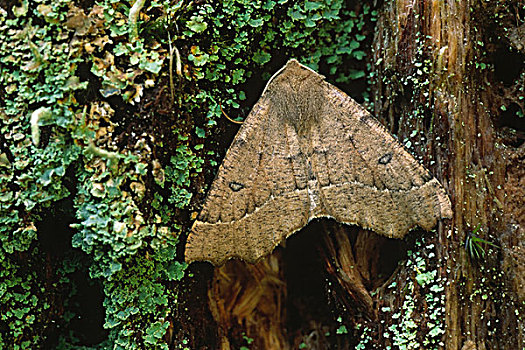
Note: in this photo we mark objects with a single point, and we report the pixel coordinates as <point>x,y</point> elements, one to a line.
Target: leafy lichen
<point>93,115</point>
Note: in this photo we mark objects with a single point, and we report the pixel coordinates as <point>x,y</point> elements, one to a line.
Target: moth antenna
<point>282,68</point>
<point>273,76</point>
<point>226,115</point>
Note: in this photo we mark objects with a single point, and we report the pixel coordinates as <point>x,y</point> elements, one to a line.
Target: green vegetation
<point>104,120</point>
<point>474,244</point>
<point>406,320</point>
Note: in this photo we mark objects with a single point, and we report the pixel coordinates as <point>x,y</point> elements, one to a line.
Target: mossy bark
<point>432,76</point>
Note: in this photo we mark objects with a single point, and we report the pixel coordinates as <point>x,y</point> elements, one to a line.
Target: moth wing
<point>370,179</point>
<point>259,195</point>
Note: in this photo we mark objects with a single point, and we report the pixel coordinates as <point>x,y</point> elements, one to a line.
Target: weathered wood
<point>430,50</point>
<point>247,300</point>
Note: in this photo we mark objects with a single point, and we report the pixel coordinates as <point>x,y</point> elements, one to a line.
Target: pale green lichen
<point>74,79</point>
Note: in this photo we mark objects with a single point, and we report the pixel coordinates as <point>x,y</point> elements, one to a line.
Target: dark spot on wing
<point>236,186</point>
<point>364,118</point>
<point>385,159</point>
<point>239,142</point>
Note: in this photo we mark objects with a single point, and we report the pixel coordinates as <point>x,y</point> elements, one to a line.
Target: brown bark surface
<point>433,51</point>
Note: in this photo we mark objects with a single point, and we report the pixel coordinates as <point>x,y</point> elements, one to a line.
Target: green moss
<point>75,80</point>
<point>424,287</point>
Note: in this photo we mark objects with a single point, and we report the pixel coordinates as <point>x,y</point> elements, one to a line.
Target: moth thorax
<point>300,106</point>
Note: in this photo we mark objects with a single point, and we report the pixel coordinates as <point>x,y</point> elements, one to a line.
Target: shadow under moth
<point>306,151</point>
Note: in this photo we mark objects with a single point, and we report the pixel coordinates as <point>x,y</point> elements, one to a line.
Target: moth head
<point>298,95</point>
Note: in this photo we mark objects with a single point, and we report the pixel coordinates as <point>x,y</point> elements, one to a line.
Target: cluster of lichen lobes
<point>418,322</point>
<point>58,141</point>
<point>37,85</point>
<point>230,40</point>
<point>55,148</point>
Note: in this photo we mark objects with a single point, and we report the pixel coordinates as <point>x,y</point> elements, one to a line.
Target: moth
<point>305,151</point>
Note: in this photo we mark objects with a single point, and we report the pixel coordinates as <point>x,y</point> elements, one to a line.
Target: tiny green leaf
<point>197,24</point>
<point>255,22</point>
<point>200,132</point>
<point>261,57</point>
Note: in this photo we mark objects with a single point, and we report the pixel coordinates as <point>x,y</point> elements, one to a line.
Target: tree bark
<point>432,79</point>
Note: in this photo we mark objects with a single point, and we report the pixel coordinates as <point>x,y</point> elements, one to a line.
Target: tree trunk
<point>441,85</point>
<point>440,75</point>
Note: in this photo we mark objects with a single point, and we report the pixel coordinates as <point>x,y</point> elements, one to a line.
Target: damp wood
<point>305,151</point>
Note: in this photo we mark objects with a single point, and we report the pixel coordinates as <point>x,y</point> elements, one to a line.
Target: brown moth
<point>306,151</point>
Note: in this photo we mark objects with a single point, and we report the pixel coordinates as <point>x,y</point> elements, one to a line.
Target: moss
<point>92,115</point>
<point>421,306</point>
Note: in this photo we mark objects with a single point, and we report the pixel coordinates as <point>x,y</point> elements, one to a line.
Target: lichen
<point>93,115</point>
<point>404,323</point>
